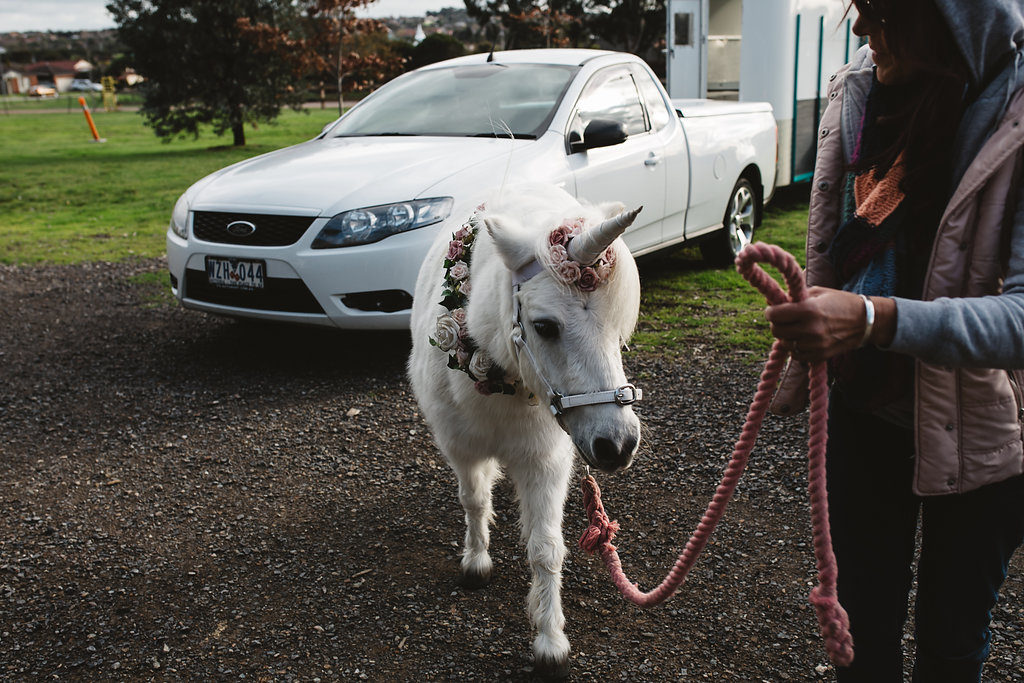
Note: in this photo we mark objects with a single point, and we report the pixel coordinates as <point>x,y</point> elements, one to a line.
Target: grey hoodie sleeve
<point>983,331</point>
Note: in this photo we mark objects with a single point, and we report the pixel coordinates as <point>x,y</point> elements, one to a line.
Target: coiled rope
<point>832,618</point>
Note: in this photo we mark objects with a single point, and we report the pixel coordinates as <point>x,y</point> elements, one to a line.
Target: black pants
<point>966,544</point>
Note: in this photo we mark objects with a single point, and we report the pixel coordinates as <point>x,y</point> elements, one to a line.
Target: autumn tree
<point>329,44</point>
<point>531,23</point>
<point>201,67</point>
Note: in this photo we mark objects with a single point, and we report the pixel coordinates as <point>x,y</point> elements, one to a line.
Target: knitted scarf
<point>869,254</point>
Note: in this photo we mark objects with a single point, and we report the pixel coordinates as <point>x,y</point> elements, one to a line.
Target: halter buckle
<point>627,394</point>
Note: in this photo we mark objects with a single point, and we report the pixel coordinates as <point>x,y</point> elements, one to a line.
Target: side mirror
<point>598,133</point>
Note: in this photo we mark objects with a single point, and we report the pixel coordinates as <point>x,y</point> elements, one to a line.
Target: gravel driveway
<point>190,498</point>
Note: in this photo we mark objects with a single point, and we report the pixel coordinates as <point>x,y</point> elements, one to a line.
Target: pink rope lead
<point>832,618</point>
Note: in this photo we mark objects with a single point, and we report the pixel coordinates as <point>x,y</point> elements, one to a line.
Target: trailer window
<point>683,28</point>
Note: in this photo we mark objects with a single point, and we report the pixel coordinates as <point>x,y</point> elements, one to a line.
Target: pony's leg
<point>542,486</point>
<point>476,479</point>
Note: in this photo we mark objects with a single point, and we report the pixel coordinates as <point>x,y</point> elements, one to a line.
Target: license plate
<point>235,273</point>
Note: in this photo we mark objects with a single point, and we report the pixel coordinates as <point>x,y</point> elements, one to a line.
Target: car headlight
<point>374,223</point>
<point>179,218</point>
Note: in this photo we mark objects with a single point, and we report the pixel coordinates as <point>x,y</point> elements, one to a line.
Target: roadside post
<point>109,95</point>
<point>88,117</point>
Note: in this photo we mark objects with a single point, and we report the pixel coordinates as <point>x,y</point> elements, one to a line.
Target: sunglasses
<point>869,10</point>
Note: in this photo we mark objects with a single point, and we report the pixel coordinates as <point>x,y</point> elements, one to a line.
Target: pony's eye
<point>547,329</point>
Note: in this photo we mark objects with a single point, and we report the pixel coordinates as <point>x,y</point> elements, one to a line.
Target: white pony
<point>518,321</point>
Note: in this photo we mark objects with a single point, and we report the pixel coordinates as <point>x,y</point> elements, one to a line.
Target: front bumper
<point>364,287</point>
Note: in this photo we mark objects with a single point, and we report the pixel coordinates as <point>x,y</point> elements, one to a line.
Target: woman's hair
<point>925,127</point>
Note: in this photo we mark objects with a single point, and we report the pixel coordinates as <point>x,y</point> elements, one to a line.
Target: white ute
<point>332,231</point>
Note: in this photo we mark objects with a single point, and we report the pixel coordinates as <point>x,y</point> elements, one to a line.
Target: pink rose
<point>588,280</point>
<point>459,271</point>
<point>462,355</point>
<point>609,256</point>
<point>463,333</point>
<point>464,287</point>
<point>460,315</point>
<point>463,232</point>
<point>604,271</point>
<point>573,225</point>
<point>559,236</point>
<point>568,272</point>
<point>455,250</point>
<point>483,387</point>
<point>558,254</point>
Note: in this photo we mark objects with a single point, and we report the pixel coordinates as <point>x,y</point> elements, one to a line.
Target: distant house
<point>60,73</point>
<point>129,78</point>
<point>16,82</point>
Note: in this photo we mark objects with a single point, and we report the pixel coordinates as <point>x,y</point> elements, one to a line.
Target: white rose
<point>480,364</point>
<point>459,271</point>
<point>447,333</point>
<point>568,272</point>
<point>464,288</point>
<point>558,255</point>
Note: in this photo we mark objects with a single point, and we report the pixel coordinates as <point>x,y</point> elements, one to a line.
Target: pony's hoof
<point>474,580</point>
<point>545,667</point>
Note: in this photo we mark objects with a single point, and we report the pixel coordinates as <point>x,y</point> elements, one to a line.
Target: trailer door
<point>687,49</point>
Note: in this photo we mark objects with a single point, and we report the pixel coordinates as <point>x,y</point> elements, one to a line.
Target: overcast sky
<point>70,15</point>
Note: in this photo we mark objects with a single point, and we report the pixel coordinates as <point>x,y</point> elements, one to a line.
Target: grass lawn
<point>687,303</point>
<point>66,199</point>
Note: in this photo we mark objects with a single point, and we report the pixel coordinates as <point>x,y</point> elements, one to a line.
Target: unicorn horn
<point>588,246</point>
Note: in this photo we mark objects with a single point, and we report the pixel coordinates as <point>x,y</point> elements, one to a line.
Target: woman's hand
<point>830,322</point>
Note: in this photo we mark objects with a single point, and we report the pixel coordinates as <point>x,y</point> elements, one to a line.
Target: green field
<point>685,302</point>
<point>66,199</point>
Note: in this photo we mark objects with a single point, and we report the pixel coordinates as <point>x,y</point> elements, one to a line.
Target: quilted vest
<point>968,421</point>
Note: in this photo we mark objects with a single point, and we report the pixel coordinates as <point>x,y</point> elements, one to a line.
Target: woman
<point>915,254</point>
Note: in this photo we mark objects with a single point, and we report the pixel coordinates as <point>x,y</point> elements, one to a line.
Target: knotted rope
<point>832,618</point>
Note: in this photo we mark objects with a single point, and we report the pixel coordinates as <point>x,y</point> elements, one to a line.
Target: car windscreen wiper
<point>505,134</point>
<point>374,135</point>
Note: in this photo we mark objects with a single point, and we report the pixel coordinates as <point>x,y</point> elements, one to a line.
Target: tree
<point>325,49</point>
<point>636,26</point>
<point>435,48</point>
<point>202,68</point>
<point>531,23</point>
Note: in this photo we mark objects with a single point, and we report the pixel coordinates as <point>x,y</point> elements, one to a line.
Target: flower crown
<point>586,277</point>
<point>451,334</point>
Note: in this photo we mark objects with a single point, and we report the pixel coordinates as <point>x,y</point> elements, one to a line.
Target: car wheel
<point>738,222</point>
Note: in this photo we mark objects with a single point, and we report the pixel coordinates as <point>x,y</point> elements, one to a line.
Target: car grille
<point>278,294</point>
<point>271,230</point>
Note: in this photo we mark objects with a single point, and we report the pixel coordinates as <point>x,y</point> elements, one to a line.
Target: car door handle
<point>652,159</point>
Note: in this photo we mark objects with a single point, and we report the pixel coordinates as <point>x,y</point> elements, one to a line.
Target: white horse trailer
<point>777,51</point>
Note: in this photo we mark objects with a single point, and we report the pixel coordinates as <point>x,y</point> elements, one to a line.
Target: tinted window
<point>610,94</point>
<point>657,110</point>
<point>476,100</point>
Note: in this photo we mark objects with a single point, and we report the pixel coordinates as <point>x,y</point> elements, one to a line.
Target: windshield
<point>477,100</point>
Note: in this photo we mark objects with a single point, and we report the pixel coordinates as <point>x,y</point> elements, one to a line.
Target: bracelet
<point>869,314</point>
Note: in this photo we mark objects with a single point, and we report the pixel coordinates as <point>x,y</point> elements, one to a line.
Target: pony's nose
<point>610,456</point>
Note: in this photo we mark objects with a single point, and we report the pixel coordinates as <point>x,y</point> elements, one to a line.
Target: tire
<point>739,221</point>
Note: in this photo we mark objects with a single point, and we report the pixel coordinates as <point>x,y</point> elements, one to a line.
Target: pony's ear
<point>611,209</point>
<point>512,242</point>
